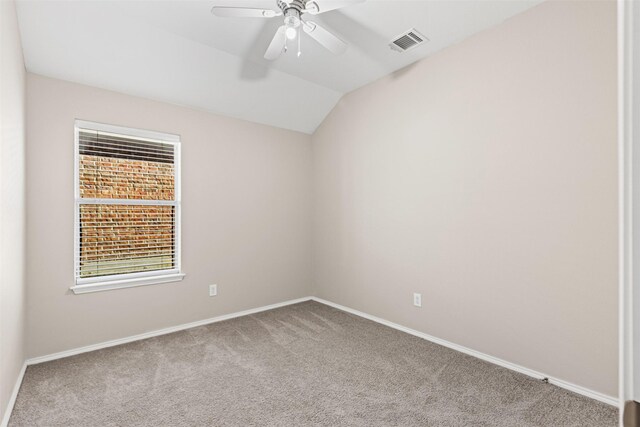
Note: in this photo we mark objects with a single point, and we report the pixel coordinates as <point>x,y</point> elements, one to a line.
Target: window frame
<point>126,280</point>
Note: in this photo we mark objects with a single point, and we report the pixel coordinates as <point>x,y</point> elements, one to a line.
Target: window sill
<point>126,283</point>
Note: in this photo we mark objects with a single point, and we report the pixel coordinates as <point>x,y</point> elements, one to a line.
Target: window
<point>127,207</point>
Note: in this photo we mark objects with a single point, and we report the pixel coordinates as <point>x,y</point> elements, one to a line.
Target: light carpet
<point>302,365</point>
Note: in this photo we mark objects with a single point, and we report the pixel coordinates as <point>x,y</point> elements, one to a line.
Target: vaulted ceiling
<point>177,51</point>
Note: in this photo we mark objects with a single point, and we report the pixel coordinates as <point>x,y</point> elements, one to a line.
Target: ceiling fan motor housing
<point>292,15</point>
<point>292,7</point>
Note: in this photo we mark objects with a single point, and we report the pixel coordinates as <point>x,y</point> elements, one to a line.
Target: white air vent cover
<point>408,40</point>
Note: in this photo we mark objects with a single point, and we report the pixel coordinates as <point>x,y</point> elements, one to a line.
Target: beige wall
<point>484,178</point>
<point>246,194</point>
<point>12,139</point>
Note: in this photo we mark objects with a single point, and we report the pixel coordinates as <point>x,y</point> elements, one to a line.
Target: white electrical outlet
<point>417,300</point>
<point>213,290</point>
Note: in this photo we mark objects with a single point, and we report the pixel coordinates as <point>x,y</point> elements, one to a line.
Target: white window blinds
<point>127,204</point>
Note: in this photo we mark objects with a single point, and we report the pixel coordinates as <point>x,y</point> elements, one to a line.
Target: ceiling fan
<point>292,11</point>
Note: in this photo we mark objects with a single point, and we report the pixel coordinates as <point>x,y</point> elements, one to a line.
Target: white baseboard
<point>530,372</point>
<point>14,395</point>
<point>106,344</point>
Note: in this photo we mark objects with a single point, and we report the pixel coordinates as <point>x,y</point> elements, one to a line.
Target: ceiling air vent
<point>408,40</point>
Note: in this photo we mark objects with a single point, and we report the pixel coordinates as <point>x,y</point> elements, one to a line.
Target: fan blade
<point>243,12</point>
<point>320,6</point>
<point>277,44</point>
<point>325,38</point>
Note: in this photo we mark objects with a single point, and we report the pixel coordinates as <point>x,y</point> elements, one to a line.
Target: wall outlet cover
<point>417,300</point>
<point>213,290</point>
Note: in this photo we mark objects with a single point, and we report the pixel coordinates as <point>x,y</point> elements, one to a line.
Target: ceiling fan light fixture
<point>291,23</point>
<point>291,33</point>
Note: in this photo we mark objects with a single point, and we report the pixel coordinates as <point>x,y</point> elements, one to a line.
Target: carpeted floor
<point>302,365</point>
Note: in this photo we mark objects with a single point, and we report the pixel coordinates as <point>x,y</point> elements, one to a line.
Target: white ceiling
<point>177,51</point>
